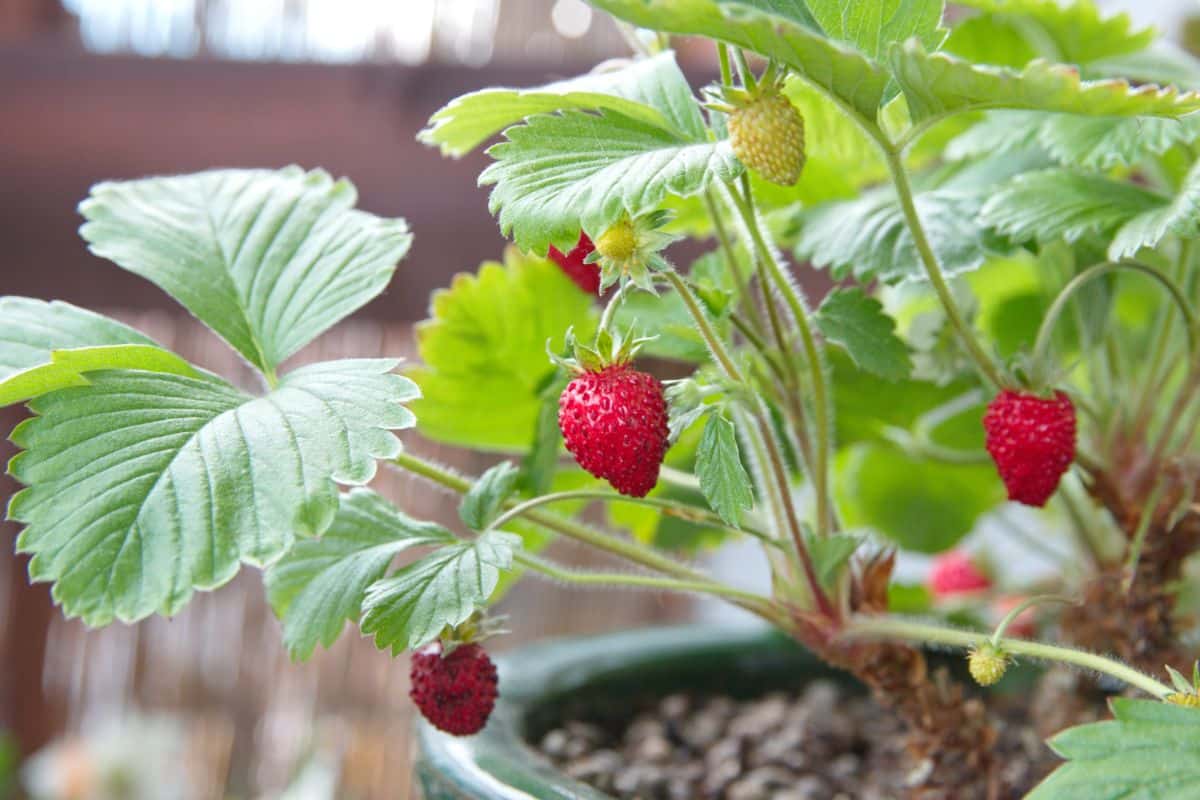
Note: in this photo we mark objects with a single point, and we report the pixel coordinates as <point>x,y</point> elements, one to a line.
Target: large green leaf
<point>484,351</point>
<point>1150,751</point>
<point>320,583</point>
<point>937,84</point>
<point>920,504</point>
<point>1076,32</point>
<point>412,607</point>
<point>652,90</point>
<point>872,25</point>
<point>1180,216</point>
<point>68,368</point>
<point>1062,204</point>
<point>268,260</point>
<point>143,487</point>
<point>554,173</point>
<point>868,238</point>
<point>1093,143</point>
<point>483,502</point>
<point>776,29</point>
<point>856,322</point>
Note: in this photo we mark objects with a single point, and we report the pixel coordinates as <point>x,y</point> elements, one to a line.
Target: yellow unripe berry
<point>618,242</point>
<point>987,664</point>
<point>768,137</point>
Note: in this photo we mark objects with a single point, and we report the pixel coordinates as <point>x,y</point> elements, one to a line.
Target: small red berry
<point>1032,441</point>
<point>614,422</point>
<point>455,692</point>
<point>586,276</point>
<point>955,573</point>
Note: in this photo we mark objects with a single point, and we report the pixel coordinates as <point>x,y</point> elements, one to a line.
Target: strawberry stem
<point>966,334</point>
<point>891,627</point>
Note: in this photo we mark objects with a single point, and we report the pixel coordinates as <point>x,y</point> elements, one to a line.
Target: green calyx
<point>629,251</point>
<point>479,628</point>
<point>609,349</point>
<point>1188,694</point>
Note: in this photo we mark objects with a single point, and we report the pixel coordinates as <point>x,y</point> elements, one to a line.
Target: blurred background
<point>206,705</point>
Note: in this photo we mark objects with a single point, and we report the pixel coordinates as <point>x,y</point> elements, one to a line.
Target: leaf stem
<point>629,550</point>
<point>1045,333</point>
<point>674,508</point>
<point>1139,537</point>
<point>614,579</point>
<point>984,362</point>
<point>890,627</point>
<point>822,421</point>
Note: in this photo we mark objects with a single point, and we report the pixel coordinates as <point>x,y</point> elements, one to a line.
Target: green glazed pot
<point>538,682</point>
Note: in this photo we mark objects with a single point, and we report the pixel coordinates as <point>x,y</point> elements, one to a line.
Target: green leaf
<point>269,260</point>
<point>652,90</point>
<point>831,553</point>
<point>31,330</point>
<point>540,464</point>
<point>937,84</point>
<point>776,29</point>
<point>723,479</point>
<point>320,583</point>
<point>144,486</point>
<point>872,25</point>
<point>1180,217</point>
<point>484,351</point>
<point>1061,204</point>
<point>856,322</point>
<point>1092,143</point>
<point>868,238</point>
<point>67,368</point>
<point>554,173</point>
<point>410,609</point>
<point>1074,33</point>
<point>921,505</point>
<point>1150,751</point>
<point>483,502</point>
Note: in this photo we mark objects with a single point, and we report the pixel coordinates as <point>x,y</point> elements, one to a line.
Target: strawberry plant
<point>1007,199</point>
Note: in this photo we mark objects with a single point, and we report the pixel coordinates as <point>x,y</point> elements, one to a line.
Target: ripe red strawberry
<point>614,421</point>
<point>1032,441</point>
<point>586,276</point>
<point>955,573</point>
<point>455,692</point>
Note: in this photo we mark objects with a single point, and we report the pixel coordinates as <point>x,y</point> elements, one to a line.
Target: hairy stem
<point>933,270</point>
<point>886,627</point>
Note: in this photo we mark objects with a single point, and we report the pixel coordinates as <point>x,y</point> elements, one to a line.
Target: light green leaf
<point>937,84</point>
<point>868,238</point>
<point>774,28</point>
<point>268,260</point>
<point>831,553</point>
<point>872,25</point>
<point>1180,217</point>
<point>486,497</point>
<point>67,368</point>
<point>652,90</point>
<point>1076,32</point>
<point>540,464</point>
<point>320,583</point>
<point>484,351</point>
<point>1150,751</point>
<point>554,173</point>
<point>723,479</point>
<point>410,609</point>
<point>921,505</point>
<point>856,322</point>
<point>1060,204</point>
<point>31,330</point>
<point>1165,63</point>
<point>144,486</point>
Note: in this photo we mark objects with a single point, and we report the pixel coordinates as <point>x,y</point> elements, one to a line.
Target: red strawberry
<point>586,276</point>
<point>955,573</point>
<point>456,692</point>
<point>1032,441</point>
<point>614,421</point>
